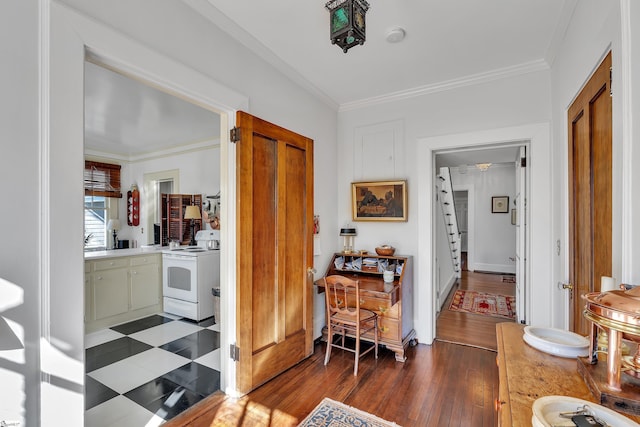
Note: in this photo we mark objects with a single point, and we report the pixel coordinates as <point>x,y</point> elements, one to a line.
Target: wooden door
<point>590,191</point>
<point>275,250</point>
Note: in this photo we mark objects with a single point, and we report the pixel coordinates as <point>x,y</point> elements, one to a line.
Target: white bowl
<point>547,409</point>
<point>557,342</point>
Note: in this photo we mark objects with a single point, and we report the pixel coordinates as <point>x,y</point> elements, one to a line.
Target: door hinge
<point>523,162</point>
<point>234,352</point>
<point>235,134</point>
<point>611,81</point>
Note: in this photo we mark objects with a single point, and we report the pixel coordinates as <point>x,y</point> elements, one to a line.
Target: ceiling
<point>448,43</point>
<point>127,118</point>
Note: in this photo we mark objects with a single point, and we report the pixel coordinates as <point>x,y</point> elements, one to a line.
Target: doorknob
<point>311,270</point>
<point>562,286</point>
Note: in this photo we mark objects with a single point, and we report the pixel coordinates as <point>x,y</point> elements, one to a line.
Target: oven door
<point>180,277</point>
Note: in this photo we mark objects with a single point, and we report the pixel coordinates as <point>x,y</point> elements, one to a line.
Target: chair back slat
<point>342,295</point>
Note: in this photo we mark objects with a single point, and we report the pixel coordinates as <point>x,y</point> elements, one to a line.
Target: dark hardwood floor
<point>439,385</point>
<point>443,384</point>
<point>473,329</point>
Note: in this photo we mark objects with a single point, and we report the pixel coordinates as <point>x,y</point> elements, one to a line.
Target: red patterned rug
<point>486,304</point>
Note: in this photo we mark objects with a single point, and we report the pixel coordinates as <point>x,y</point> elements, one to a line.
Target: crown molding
<point>474,79</point>
<point>222,21</point>
<point>155,154</point>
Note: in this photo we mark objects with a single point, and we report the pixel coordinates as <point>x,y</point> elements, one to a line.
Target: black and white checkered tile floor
<point>145,372</point>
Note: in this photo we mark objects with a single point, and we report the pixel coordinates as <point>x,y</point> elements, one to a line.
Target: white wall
<point>20,255</point>
<point>514,101</point>
<point>630,185</point>
<point>43,256</point>
<point>196,43</point>
<point>198,171</point>
<point>494,240</point>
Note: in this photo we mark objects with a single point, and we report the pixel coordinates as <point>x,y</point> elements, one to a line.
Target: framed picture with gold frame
<point>379,201</point>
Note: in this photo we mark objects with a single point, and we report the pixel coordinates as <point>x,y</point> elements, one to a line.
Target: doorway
<point>74,38</point>
<point>125,123</point>
<point>461,198</point>
<point>489,236</point>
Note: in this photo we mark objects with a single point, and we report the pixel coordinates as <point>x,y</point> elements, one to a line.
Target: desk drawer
<point>381,306</point>
<point>388,330</point>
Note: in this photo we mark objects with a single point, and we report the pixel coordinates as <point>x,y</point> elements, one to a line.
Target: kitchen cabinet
<point>110,289</point>
<point>88,298</point>
<point>173,226</point>
<point>145,275</point>
<point>120,289</point>
<point>392,301</point>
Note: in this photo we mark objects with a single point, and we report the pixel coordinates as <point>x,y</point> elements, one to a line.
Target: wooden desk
<point>393,302</point>
<point>527,374</point>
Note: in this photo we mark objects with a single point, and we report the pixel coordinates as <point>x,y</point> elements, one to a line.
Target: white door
<point>521,243</point>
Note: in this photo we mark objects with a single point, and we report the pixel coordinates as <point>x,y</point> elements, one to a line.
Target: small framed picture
<point>500,204</point>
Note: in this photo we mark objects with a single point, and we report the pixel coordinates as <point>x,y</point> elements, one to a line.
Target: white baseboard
<point>495,268</point>
<point>445,291</point>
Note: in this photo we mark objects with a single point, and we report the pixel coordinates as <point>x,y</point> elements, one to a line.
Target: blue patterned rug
<point>330,413</point>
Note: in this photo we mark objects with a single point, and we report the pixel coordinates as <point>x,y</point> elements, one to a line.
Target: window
<point>101,183</point>
<point>101,179</point>
<point>95,222</point>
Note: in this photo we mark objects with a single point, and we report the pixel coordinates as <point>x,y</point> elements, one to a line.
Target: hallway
<point>473,329</point>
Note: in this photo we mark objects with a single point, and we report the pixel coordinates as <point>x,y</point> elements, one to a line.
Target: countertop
<point>113,253</point>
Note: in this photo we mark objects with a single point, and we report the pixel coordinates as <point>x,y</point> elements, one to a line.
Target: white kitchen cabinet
<point>145,291</point>
<point>120,289</point>
<point>110,292</point>
<point>88,298</point>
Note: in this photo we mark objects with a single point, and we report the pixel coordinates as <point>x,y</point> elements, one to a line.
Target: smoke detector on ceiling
<point>395,35</point>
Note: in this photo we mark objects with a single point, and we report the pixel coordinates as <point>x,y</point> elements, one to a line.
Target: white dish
<point>556,341</point>
<point>547,409</point>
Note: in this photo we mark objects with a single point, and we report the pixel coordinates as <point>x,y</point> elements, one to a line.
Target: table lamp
<point>348,234</point>
<point>192,212</point>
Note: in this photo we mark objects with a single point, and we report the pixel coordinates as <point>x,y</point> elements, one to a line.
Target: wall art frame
<point>379,200</point>
<point>500,204</point>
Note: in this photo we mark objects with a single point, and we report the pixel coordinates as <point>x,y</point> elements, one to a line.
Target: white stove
<point>189,275</point>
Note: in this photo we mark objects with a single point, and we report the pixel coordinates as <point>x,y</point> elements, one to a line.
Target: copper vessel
<point>616,312</point>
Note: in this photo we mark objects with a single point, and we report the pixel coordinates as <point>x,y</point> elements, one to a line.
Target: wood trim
<point>580,109</point>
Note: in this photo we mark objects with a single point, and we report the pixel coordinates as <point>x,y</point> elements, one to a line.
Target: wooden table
<point>527,374</point>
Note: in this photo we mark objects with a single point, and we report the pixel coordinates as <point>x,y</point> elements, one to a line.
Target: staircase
<point>447,204</point>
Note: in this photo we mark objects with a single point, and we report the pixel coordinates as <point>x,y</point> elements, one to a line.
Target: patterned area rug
<point>486,304</point>
<point>330,413</point>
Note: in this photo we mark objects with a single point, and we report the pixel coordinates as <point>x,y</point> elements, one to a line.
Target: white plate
<point>556,341</point>
<point>546,412</point>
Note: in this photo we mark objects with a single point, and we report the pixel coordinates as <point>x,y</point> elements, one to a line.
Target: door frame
<point>72,36</point>
<point>539,231</point>
<point>471,222</point>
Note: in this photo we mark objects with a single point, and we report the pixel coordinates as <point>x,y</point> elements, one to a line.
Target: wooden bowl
<point>385,250</point>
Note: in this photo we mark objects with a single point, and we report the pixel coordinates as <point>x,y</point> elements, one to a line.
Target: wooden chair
<point>345,317</point>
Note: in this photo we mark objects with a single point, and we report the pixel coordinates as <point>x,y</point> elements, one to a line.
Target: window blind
<point>102,179</point>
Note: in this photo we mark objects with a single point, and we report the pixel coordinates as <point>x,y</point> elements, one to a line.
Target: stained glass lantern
<point>346,22</point>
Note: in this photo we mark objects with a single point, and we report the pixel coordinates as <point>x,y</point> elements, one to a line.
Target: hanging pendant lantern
<point>347,23</point>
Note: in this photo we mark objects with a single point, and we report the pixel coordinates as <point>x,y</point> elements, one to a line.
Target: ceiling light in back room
<point>395,35</point>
